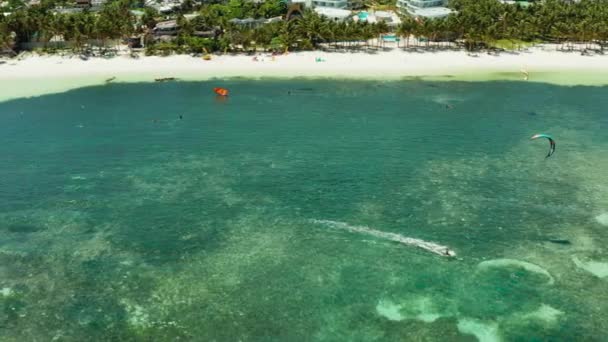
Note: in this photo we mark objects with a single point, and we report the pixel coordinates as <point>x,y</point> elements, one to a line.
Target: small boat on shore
<point>164,79</point>
<point>110,79</point>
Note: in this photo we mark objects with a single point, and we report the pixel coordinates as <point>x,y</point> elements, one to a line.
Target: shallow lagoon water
<point>121,221</point>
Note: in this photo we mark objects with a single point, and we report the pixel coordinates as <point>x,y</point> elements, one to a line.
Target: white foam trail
<point>429,246</point>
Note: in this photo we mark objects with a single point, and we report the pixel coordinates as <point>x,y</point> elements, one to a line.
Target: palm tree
<point>406,28</point>
<point>338,32</point>
<point>6,39</point>
<point>381,28</point>
<point>367,33</point>
<point>288,35</point>
<point>313,27</point>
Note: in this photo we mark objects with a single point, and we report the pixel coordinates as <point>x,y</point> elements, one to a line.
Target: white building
<point>335,14</point>
<point>424,8</point>
<point>341,4</point>
<point>97,3</point>
<point>164,6</point>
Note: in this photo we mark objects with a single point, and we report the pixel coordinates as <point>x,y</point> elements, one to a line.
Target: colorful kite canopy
<point>551,142</point>
<point>221,91</point>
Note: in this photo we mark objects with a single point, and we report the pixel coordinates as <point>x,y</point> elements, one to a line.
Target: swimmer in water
<point>180,117</point>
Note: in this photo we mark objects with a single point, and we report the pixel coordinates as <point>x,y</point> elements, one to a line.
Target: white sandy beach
<point>36,75</point>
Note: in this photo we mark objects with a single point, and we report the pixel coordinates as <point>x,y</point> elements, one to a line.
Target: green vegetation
<point>475,24</point>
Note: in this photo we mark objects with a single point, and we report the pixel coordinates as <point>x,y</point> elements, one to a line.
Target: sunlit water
<point>119,220</point>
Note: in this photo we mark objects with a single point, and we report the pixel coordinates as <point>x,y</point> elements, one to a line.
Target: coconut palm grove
<point>211,27</point>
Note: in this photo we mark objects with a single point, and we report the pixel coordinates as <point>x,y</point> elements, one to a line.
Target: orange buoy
<point>221,91</point>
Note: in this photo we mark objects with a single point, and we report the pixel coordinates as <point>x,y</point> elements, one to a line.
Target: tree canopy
<point>474,24</point>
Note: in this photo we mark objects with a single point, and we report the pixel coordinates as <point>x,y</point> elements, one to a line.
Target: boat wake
<point>426,245</point>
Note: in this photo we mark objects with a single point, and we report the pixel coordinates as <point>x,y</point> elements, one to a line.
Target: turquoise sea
<point>121,221</point>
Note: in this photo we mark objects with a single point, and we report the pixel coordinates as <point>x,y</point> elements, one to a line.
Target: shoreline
<point>37,75</point>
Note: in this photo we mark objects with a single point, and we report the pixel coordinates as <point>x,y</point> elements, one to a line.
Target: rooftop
<point>242,21</point>
<point>389,17</point>
<point>333,12</point>
<point>383,14</point>
<point>165,25</point>
<point>430,12</point>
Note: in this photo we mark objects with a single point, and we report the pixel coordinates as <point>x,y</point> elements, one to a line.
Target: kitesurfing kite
<point>551,142</point>
<point>221,91</point>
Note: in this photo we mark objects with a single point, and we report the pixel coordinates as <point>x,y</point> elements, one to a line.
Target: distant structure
<point>164,6</point>
<point>253,23</point>
<point>295,10</point>
<point>82,3</point>
<point>331,4</point>
<point>335,14</point>
<point>424,8</point>
<point>89,4</point>
<point>166,31</point>
<point>341,4</point>
<point>95,4</point>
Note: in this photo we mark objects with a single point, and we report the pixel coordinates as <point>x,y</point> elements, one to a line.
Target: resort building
<point>166,28</point>
<point>92,4</point>
<point>97,3</point>
<point>167,31</point>
<point>424,8</point>
<point>82,3</point>
<point>253,23</point>
<point>389,17</point>
<point>331,3</point>
<point>335,14</point>
<point>340,4</point>
<point>164,6</point>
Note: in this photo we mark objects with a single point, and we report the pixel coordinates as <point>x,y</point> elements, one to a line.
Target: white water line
<point>429,246</point>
